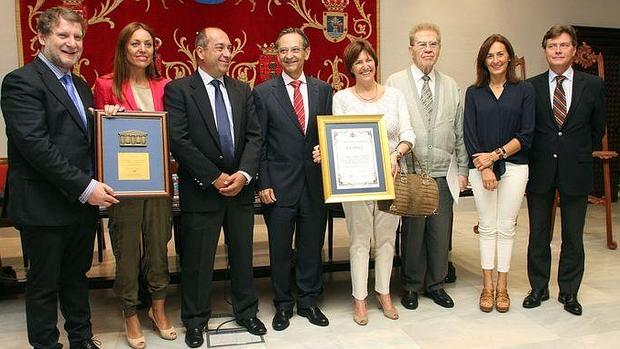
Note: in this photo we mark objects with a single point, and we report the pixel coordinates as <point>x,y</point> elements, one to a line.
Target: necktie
<point>427,96</point>
<point>67,81</point>
<point>559,101</point>
<point>223,124</point>
<point>298,105</point>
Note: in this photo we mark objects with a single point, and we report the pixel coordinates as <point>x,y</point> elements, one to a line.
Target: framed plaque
<point>132,153</point>
<point>355,160</point>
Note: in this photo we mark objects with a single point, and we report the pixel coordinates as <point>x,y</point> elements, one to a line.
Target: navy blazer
<point>562,156</point>
<point>50,151</point>
<point>286,156</point>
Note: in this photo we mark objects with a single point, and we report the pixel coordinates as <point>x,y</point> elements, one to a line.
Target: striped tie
<point>559,101</point>
<point>427,96</point>
<point>298,105</point>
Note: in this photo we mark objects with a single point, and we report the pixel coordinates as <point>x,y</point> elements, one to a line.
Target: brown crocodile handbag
<point>416,194</point>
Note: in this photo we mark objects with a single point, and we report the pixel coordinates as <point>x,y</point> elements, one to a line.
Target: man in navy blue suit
<point>570,120</point>
<point>289,182</point>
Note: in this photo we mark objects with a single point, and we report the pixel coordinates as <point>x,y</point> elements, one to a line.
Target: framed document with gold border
<point>132,153</point>
<point>355,160</point>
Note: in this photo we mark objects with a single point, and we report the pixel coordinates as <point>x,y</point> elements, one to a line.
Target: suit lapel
<point>313,102</point>
<point>128,95</point>
<point>578,86</point>
<point>234,97</point>
<point>281,95</point>
<point>542,84</point>
<point>56,88</point>
<point>201,98</point>
<point>83,91</point>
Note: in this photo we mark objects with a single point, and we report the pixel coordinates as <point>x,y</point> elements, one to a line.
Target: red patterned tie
<point>559,101</point>
<point>298,105</point>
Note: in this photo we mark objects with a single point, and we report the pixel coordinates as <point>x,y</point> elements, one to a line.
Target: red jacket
<point>103,93</point>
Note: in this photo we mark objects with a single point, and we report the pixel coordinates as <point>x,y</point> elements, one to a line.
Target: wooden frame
<point>132,153</point>
<point>363,176</point>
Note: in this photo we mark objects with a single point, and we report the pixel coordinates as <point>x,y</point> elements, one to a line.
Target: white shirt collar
<point>59,72</point>
<point>418,74</point>
<point>288,79</point>
<point>208,78</point>
<point>568,74</point>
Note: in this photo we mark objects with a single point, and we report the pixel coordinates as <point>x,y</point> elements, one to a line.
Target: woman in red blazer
<point>139,228</point>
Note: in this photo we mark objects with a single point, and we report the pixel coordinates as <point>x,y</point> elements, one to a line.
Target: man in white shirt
<point>289,182</point>
<point>435,105</point>
<point>215,138</point>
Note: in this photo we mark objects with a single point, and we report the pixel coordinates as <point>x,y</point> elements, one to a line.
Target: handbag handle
<point>408,156</point>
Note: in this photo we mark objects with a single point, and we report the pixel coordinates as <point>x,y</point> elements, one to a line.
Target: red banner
<point>252,26</point>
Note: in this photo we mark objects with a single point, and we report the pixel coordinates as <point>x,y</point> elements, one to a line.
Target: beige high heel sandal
<point>168,334</point>
<point>360,319</point>
<point>388,313</point>
<point>135,343</point>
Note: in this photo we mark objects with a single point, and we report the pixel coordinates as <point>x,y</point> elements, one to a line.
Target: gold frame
<point>330,197</point>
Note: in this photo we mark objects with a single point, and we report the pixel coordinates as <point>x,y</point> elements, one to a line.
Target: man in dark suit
<point>52,198</point>
<point>215,137</point>
<point>570,120</point>
<point>289,182</point>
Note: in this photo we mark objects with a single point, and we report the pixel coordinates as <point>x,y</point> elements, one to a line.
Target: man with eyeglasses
<point>215,138</point>
<point>435,104</point>
<point>570,121</point>
<point>289,182</point>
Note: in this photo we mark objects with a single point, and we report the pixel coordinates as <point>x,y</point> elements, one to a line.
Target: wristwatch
<point>500,153</point>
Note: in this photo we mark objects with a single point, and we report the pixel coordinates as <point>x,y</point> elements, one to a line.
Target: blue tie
<point>67,81</point>
<point>223,125</point>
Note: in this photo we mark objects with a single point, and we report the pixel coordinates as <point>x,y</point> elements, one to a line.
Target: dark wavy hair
<point>482,71</point>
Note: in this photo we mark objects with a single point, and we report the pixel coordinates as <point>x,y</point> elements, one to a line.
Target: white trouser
<point>497,214</point>
<point>363,221</point>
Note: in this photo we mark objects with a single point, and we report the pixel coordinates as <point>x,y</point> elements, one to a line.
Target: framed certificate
<point>132,153</point>
<point>355,160</point>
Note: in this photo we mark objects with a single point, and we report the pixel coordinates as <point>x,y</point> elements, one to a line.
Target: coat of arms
<point>335,20</point>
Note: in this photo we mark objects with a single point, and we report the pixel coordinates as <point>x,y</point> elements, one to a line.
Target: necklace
<point>367,99</point>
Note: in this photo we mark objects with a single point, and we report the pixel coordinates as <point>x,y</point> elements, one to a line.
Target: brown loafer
<point>486,300</point>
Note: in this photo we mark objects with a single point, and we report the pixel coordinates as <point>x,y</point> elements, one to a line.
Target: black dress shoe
<point>571,304</point>
<point>86,344</point>
<point>314,315</point>
<point>440,297</point>
<point>253,325</point>
<point>280,319</point>
<point>451,276</point>
<point>409,300</point>
<point>194,337</point>
<point>535,297</point>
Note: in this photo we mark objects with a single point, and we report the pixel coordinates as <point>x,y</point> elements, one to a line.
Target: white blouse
<point>391,105</point>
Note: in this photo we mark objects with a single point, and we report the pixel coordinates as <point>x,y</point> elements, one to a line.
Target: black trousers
<point>200,235</point>
<point>306,221</point>
<point>573,213</point>
<point>59,259</point>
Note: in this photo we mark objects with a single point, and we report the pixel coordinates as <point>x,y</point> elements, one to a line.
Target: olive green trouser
<point>140,230</point>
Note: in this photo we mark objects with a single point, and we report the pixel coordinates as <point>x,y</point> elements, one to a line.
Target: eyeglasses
<point>294,50</point>
<point>424,44</point>
<point>562,45</point>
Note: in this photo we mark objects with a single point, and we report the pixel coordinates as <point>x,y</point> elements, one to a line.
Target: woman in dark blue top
<point>498,128</point>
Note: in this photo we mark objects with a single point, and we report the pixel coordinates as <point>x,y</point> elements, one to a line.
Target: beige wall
<point>464,24</point>
<point>8,53</point>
